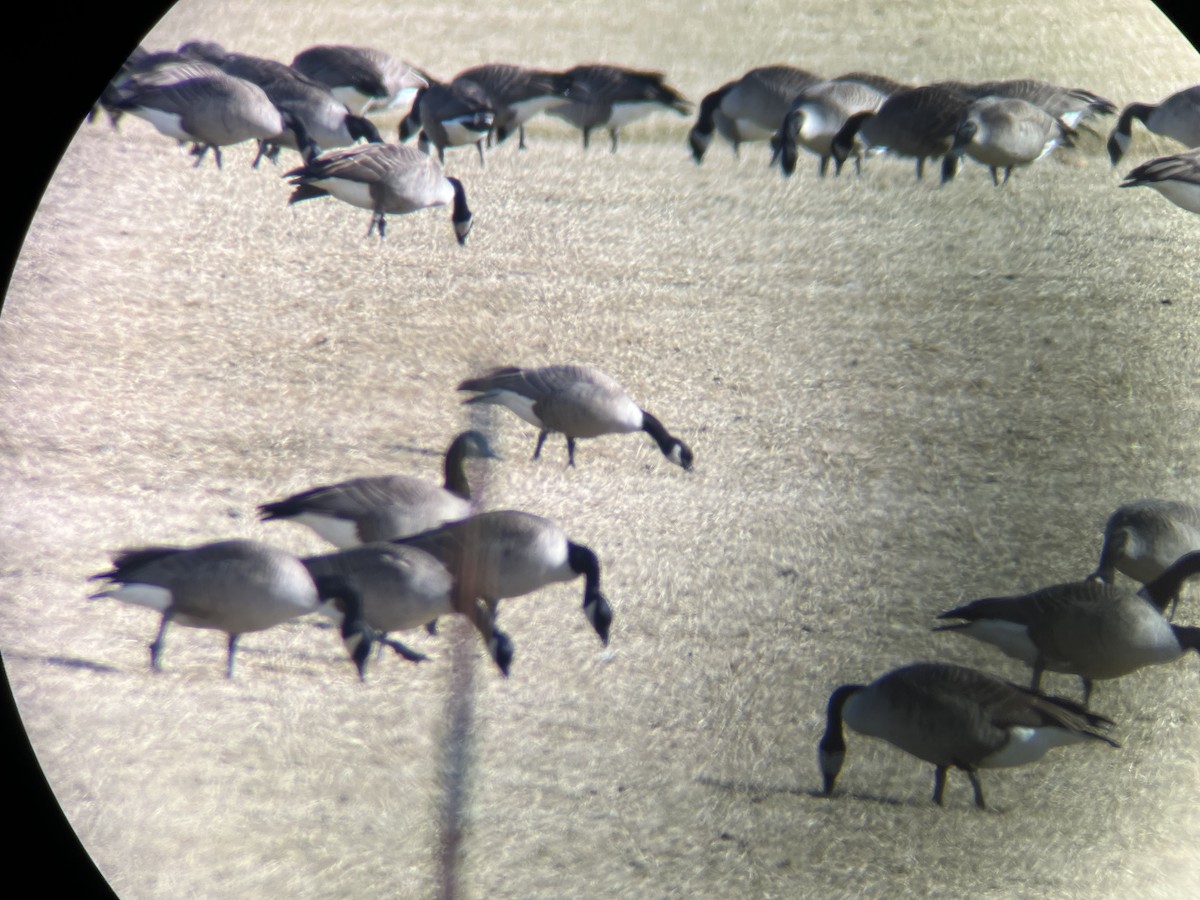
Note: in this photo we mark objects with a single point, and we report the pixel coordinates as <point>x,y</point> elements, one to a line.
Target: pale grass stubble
<point>901,396</point>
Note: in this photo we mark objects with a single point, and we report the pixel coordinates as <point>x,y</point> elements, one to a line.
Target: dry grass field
<point>901,396</point>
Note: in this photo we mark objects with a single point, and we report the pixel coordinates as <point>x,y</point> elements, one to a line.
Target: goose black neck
<point>1188,637</point>
<point>364,128</point>
<point>653,427</point>
<point>834,739</point>
<point>1165,588</point>
<point>1133,111</point>
<point>461,212</point>
<point>584,562</point>
<point>708,109</point>
<point>456,475</point>
<point>844,139</point>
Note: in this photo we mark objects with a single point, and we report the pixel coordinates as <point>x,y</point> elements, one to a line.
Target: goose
<point>918,122</point>
<point>326,121</point>
<point>383,507</point>
<point>515,94</point>
<point>363,78</point>
<point>1003,133</point>
<point>234,586</point>
<point>1177,117</point>
<point>1176,177</point>
<point>576,401</point>
<point>450,115</point>
<point>508,553</point>
<point>1142,539</point>
<point>817,114</point>
<point>384,178</point>
<point>200,103</point>
<point>402,588</point>
<point>954,717</point>
<point>1071,105</point>
<point>749,109</point>
<point>340,599</point>
<point>605,96</point>
<point>1087,628</point>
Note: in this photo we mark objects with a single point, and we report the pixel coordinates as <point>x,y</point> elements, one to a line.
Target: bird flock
<point>409,552</point>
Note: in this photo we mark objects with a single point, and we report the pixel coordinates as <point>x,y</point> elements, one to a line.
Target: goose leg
<point>156,646</point>
<point>1087,690</point>
<point>479,145</point>
<point>978,788</point>
<point>1038,668</point>
<point>939,784</point>
<point>431,627</point>
<point>521,134</point>
<point>613,132</point>
<point>537,451</point>
<point>587,134</point>
<point>823,167</point>
<point>233,638</point>
<point>571,452</point>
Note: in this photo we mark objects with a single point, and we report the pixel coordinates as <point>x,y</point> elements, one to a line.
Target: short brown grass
<point>901,396</point>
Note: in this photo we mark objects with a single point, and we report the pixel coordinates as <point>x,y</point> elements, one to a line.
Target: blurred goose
<point>954,717</point>
<point>450,115</point>
<point>515,94</point>
<point>749,109</point>
<point>816,116</point>
<point>380,508</point>
<point>326,122</point>
<point>1175,177</point>
<point>1003,133</point>
<point>384,178</point>
<point>1142,539</point>
<point>918,122</point>
<point>508,553</point>
<point>232,586</point>
<point>402,588</point>
<point>198,102</point>
<point>1086,628</point>
<point>1177,117</point>
<point>604,96</point>
<point>361,77</point>
<point>342,600</point>
<point>576,401</point>
<point>1071,105</point>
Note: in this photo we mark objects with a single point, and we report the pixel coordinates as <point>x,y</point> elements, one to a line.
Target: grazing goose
<point>1003,133</point>
<point>1175,177</point>
<point>1142,539</point>
<point>341,599</point>
<point>380,508</point>
<point>1071,105</point>
<point>233,586</point>
<point>450,115</point>
<point>507,553</point>
<point>919,122</point>
<point>402,588</point>
<point>515,94</point>
<point>817,114</point>
<point>1177,117</point>
<point>325,120</point>
<point>954,717</point>
<point>361,77</point>
<point>575,401</point>
<point>749,109</point>
<point>198,102</point>
<point>384,178</point>
<point>603,96</point>
<point>1086,628</point>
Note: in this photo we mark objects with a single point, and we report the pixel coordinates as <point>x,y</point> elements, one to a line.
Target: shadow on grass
<point>759,792</point>
<point>68,662</point>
